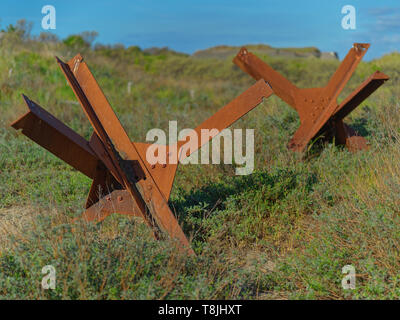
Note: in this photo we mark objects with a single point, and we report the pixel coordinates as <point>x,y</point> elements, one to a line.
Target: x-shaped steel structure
<point>318,109</point>
<point>123,180</point>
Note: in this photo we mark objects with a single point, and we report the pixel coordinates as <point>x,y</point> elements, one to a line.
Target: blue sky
<point>190,25</point>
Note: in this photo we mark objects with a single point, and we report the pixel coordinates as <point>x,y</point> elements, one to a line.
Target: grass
<point>284,232</point>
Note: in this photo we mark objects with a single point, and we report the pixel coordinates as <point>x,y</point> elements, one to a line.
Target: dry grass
<point>14,222</point>
<point>283,232</point>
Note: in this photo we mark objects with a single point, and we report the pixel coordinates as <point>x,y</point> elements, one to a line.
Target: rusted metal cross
<point>318,109</point>
<point>123,180</point>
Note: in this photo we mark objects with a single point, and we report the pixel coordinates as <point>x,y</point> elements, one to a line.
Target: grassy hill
<point>283,232</point>
<point>226,52</point>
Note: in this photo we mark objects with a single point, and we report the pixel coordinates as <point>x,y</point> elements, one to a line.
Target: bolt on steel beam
<point>318,109</point>
<point>123,180</point>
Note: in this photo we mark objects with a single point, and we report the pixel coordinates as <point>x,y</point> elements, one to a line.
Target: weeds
<point>285,231</point>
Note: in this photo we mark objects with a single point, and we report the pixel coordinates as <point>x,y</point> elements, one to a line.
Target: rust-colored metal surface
<point>117,201</point>
<point>53,135</point>
<point>123,180</point>
<point>318,109</point>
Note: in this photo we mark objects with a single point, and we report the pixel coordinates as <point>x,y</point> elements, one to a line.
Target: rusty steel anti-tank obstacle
<point>123,181</point>
<point>319,112</point>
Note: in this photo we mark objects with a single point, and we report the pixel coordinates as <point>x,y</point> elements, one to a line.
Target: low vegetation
<point>283,232</point>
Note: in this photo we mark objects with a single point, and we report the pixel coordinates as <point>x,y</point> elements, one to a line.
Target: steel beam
<point>317,107</point>
<point>123,180</point>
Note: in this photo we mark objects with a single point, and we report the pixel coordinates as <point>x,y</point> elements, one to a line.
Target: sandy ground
<point>13,222</point>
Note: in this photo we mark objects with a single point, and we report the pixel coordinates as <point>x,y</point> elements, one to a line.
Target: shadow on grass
<point>205,210</point>
<point>323,139</point>
<point>360,125</point>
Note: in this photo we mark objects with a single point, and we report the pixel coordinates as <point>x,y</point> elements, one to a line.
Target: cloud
<point>389,22</point>
<point>383,28</point>
<point>385,19</point>
<point>380,11</point>
<point>390,39</point>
